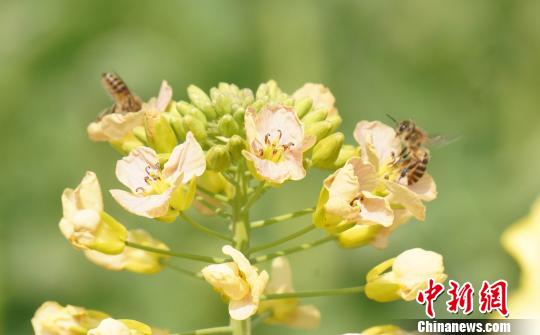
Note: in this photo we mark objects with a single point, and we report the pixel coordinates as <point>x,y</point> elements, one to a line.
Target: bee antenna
<point>391,118</point>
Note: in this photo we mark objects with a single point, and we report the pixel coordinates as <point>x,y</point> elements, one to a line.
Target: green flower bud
<point>347,151</point>
<point>201,101</point>
<point>140,134</point>
<point>239,116</point>
<point>327,150</point>
<point>196,127</point>
<point>335,120</point>
<point>222,101</point>
<point>303,106</point>
<point>319,129</point>
<point>177,124</point>
<point>227,126</point>
<point>218,158</point>
<point>159,133</point>
<point>235,145</point>
<point>314,116</point>
<point>188,109</point>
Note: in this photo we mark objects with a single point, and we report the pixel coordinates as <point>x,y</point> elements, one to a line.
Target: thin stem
<point>255,195</point>
<point>281,218</point>
<point>204,229</point>
<point>208,331</point>
<point>215,209</point>
<point>175,268</point>
<point>200,258</point>
<point>277,242</point>
<point>309,294</point>
<point>218,197</point>
<point>304,246</point>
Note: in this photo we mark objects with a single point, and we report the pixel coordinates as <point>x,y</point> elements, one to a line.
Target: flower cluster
<point>220,152</point>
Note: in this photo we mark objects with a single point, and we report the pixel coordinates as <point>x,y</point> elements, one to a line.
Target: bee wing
<point>440,141</point>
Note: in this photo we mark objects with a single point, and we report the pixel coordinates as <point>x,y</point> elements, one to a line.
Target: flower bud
<point>347,151</point>
<point>201,101</point>
<point>177,124</point>
<point>358,236</point>
<point>318,129</point>
<point>189,109</point>
<point>303,106</point>
<point>218,158</point>
<point>227,126</point>
<point>140,134</point>
<point>238,116</point>
<point>327,150</point>
<point>222,102</point>
<point>336,121</point>
<point>235,146</point>
<point>314,116</point>
<point>159,133</point>
<point>196,127</point>
<point>410,273</point>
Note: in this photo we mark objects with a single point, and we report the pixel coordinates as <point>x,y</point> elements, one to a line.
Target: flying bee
<point>414,156</point>
<point>124,100</point>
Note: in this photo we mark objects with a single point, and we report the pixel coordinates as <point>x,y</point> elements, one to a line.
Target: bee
<point>414,156</point>
<point>124,100</point>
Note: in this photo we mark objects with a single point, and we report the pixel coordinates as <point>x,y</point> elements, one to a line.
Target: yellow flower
<point>117,126</point>
<point>276,144</point>
<point>85,224</point>
<point>121,327</point>
<point>53,319</point>
<point>239,282</point>
<point>287,311</point>
<point>156,192</point>
<point>522,241</point>
<point>410,273</point>
<point>132,259</point>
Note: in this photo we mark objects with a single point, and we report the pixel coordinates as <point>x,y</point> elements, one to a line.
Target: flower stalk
<point>318,293</point>
<point>285,239</point>
<point>281,218</point>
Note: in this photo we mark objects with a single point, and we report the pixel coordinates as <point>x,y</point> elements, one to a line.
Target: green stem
<point>281,218</point>
<point>218,197</point>
<point>193,274</point>
<point>255,195</point>
<point>304,246</point>
<point>241,227</point>
<point>208,331</point>
<point>217,210</point>
<point>204,229</point>
<point>184,255</point>
<point>277,242</point>
<point>309,294</point>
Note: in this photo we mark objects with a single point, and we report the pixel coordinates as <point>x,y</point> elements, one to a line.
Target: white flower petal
<point>402,195</point>
<point>131,170</point>
<point>425,188</point>
<point>164,96</point>
<point>375,209</point>
<point>186,162</point>
<point>151,206</point>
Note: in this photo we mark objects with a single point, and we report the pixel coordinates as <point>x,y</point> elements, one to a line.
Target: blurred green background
<point>463,68</point>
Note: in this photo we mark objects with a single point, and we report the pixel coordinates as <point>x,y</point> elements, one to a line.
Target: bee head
<point>404,127</point>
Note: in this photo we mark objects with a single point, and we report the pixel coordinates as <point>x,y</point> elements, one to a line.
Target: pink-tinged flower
<point>111,326</point>
<point>116,126</point>
<point>85,224</point>
<point>276,143</point>
<point>157,192</point>
<point>287,312</point>
<point>237,281</point>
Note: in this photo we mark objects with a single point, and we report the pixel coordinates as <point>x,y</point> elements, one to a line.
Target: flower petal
<point>281,278</point>
<point>375,209</point>
<point>249,271</point>
<point>304,317</point>
<point>381,136</point>
<point>342,188</point>
<point>164,96</point>
<point>320,95</point>
<point>411,201</point>
<point>114,126</point>
<point>131,170</point>
<point>152,206</point>
<point>425,188</point>
<point>186,162</point>
<point>276,172</point>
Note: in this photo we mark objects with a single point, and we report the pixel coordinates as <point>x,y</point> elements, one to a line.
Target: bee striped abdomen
<point>418,170</point>
<point>124,100</point>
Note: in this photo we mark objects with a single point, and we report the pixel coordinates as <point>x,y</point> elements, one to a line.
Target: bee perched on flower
<point>369,191</point>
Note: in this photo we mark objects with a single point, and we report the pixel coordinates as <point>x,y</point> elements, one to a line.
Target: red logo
<point>429,295</point>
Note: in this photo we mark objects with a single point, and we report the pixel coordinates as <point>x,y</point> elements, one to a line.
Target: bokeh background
<point>461,68</point>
